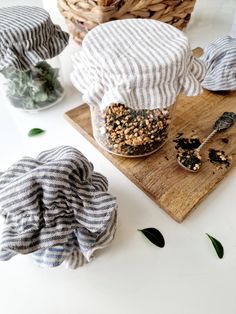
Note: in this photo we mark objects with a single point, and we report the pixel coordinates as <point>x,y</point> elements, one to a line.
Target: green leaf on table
<point>154,236</point>
<point>35,131</point>
<point>217,245</point>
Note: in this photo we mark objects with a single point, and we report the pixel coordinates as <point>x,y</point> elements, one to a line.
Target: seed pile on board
<point>186,152</point>
<point>219,157</point>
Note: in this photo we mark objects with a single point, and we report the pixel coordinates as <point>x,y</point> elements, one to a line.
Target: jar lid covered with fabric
<point>130,73</point>
<point>29,38</point>
<point>220,60</point>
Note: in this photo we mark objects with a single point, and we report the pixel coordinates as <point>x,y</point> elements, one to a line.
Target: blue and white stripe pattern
<point>141,63</point>
<point>220,60</point>
<point>57,208</point>
<point>27,36</point>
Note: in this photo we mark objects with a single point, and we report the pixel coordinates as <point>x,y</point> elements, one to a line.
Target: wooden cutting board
<point>158,175</point>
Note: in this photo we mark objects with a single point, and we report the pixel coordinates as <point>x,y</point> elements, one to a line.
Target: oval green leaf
<point>154,236</point>
<point>35,131</point>
<point>217,246</point>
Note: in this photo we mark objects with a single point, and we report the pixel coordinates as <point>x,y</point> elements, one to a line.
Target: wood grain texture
<point>158,175</point>
<point>172,188</point>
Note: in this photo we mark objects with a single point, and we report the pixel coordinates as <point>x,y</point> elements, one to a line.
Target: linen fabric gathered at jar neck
<point>141,63</point>
<point>220,59</point>
<point>28,36</point>
<point>56,208</point>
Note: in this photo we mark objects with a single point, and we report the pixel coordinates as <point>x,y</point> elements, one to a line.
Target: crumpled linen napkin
<point>220,59</point>
<point>141,63</point>
<point>56,208</point>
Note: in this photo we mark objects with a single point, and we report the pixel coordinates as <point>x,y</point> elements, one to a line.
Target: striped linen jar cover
<point>27,36</point>
<point>141,63</point>
<point>220,59</point>
<point>56,208</point>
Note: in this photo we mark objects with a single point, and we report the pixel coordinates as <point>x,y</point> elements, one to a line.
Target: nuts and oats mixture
<point>190,159</point>
<point>186,152</point>
<point>128,132</point>
<point>219,157</point>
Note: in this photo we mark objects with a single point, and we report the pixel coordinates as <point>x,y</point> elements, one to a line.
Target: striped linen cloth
<point>28,36</point>
<point>141,63</point>
<point>220,60</point>
<point>56,208</point>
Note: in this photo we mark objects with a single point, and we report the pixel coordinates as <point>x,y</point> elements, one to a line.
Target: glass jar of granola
<point>130,73</point>
<point>128,132</point>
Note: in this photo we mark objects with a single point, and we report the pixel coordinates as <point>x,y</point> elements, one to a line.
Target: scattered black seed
<point>166,158</point>
<point>186,154</point>
<point>189,159</point>
<point>225,140</point>
<point>218,157</point>
<point>187,143</point>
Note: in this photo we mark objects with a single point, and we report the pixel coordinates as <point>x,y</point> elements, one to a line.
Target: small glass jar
<point>137,79</point>
<point>130,133</point>
<point>30,45</point>
<point>37,88</point>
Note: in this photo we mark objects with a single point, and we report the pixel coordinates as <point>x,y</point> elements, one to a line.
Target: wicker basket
<point>83,15</point>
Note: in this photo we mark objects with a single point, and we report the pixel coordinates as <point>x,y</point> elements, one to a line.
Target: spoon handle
<point>206,140</point>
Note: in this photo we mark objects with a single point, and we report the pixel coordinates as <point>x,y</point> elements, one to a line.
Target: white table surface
<point>131,276</point>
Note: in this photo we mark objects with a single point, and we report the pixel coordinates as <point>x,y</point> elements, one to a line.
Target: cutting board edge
<point>180,217</point>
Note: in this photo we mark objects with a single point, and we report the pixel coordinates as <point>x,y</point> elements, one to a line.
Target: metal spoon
<point>225,121</point>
